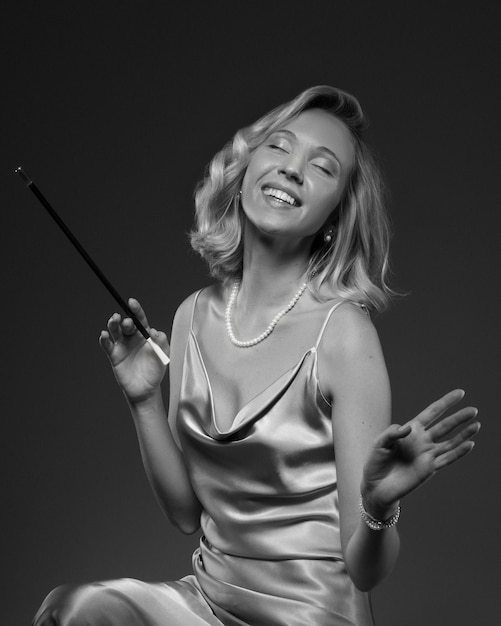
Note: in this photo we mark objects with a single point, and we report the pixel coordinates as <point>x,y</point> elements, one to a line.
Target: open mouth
<point>281,196</point>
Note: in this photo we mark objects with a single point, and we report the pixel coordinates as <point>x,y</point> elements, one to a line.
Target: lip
<point>284,188</point>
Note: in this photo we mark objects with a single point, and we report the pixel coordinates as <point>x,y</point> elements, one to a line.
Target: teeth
<point>279,195</point>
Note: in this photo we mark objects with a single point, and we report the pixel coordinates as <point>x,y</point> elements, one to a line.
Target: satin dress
<point>270,551</point>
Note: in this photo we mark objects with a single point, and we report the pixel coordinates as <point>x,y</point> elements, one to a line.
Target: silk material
<point>270,554</point>
<point>271,549</point>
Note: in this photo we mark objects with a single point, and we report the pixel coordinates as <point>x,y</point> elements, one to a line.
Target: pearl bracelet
<point>375,524</point>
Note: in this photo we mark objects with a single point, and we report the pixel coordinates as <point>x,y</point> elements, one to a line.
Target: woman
<point>278,440</point>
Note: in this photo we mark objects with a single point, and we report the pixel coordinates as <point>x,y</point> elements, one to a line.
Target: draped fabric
<point>270,552</point>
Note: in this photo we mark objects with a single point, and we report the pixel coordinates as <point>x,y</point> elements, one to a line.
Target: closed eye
<point>274,146</point>
<point>323,169</point>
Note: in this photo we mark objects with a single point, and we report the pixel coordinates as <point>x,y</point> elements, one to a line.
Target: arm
<point>356,379</point>
<point>382,462</point>
<point>139,374</point>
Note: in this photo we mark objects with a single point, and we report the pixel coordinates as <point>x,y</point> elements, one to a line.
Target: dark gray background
<point>114,109</point>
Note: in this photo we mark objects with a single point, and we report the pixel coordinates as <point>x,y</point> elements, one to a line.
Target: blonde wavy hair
<point>354,265</point>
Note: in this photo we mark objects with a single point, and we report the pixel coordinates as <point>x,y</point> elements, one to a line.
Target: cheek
<point>246,181</point>
<point>245,197</point>
<point>339,193</point>
<point>327,205</point>
<point>250,183</point>
<point>260,164</point>
<point>249,176</point>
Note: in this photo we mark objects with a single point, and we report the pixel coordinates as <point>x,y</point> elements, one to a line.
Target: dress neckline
<point>258,401</point>
<point>264,397</point>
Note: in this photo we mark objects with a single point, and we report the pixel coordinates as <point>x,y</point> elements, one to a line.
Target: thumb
<point>392,434</point>
<point>160,338</point>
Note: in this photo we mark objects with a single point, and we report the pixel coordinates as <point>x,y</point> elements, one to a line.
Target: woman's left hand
<point>404,457</point>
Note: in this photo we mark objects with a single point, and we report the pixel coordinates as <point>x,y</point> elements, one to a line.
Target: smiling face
<point>297,176</point>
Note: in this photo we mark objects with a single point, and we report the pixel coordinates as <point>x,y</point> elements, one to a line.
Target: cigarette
<point>32,187</point>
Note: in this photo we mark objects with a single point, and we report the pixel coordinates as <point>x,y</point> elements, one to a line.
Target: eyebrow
<point>320,148</point>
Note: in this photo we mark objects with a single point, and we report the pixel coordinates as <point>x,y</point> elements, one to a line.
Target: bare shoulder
<point>211,295</point>
<point>350,331</point>
<point>182,323</point>
<point>185,311</point>
<point>350,354</point>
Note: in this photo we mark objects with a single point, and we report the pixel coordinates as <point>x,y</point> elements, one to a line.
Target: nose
<point>292,169</point>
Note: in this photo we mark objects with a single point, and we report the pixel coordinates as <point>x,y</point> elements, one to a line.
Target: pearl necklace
<point>272,324</point>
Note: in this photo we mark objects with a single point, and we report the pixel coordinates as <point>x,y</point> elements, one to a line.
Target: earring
<point>328,235</point>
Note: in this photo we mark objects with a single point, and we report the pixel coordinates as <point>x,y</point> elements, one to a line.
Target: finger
<point>436,409</point>
<point>137,309</point>
<point>128,326</point>
<point>114,327</point>
<point>391,435</point>
<point>455,442</point>
<point>161,339</point>
<point>454,455</point>
<point>105,342</point>
<point>444,427</point>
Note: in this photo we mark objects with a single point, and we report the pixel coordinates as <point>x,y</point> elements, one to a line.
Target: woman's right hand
<point>137,368</point>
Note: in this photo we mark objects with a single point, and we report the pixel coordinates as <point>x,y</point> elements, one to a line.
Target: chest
<point>238,375</point>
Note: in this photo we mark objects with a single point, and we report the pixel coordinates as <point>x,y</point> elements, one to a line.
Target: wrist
<point>146,405</point>
<point>378,524</point>
<point>376,508</point>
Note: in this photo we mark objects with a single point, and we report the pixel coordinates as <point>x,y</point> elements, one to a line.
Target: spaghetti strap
<point>193,308</point>
<point>330,312</point>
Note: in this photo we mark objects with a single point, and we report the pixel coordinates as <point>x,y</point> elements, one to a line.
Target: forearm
<point>371,554</point>
<point>164,464</point>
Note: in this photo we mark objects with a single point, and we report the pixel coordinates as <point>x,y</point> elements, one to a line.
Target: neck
<point>273,270</point>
